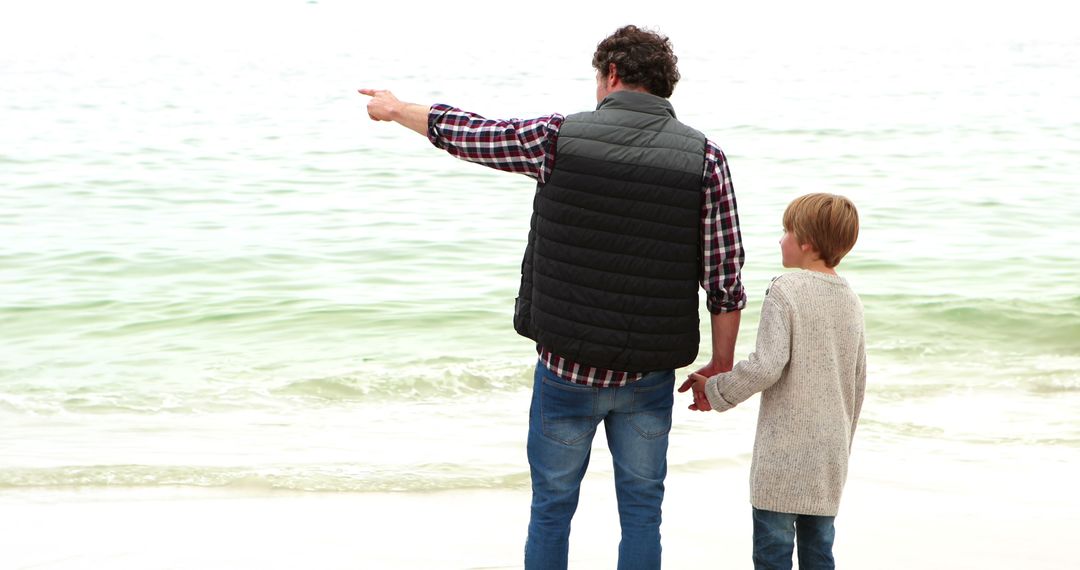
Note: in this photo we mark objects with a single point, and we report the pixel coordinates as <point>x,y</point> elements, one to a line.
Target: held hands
<point>713,368</point>
<point>383,104</point>
<point>696,382</point>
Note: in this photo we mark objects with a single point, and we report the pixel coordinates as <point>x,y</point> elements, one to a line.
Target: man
<point>632,210</point>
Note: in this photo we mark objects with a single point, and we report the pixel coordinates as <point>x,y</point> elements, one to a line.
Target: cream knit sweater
<point>810,366</point>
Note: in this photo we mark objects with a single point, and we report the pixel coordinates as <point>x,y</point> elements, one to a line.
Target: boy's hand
<point>696,382</point>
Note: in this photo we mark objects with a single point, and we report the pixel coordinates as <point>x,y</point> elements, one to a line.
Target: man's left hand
<point>696,383</point>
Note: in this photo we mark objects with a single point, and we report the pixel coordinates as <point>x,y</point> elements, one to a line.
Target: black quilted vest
<point>610,275</point>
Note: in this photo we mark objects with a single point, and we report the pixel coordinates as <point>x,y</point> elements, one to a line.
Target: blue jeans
<point>774,537</point>
<point>562,421</point>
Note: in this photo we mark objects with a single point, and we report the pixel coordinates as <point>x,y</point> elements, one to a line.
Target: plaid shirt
<point>528,147</point>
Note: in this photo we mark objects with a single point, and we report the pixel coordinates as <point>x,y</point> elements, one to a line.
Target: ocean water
<point>216,272</point>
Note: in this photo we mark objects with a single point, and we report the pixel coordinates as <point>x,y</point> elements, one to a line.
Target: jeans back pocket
<point>568,413</point>
<point>650,412</point>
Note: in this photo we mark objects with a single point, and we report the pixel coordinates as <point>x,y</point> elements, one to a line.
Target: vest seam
<point>621,254</point>
<point>693,151</point>
<point>624,216</point>
<point>598,343</point>
<point>699,155</point>
<point>584,173</point>
<point>582,119</point>
<point>622,235</point>
<point>553,278</point>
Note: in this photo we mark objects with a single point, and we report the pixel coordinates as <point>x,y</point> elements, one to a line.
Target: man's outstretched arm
<point>384,106</point>
<point>513,145</point>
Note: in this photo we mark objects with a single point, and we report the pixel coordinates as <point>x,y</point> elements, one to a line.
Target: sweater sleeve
<point>860,384</point>
<point>763,367</point>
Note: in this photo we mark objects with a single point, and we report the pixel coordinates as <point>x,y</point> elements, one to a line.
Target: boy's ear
<point>810,248</point>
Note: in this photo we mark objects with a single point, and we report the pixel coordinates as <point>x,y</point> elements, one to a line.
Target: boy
<point>810,367</point>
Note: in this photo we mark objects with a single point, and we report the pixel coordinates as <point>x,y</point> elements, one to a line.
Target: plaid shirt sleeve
<point>523,147</point>
<point>721,239</point>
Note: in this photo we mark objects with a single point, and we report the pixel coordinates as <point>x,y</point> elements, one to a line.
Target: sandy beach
<point>1023,517</point>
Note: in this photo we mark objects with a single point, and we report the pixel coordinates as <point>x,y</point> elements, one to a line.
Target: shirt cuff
<point>435,115</point>
<point>724,302</point>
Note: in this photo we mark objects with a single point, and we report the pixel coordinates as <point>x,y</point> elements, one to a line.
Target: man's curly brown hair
<point>642,59</point>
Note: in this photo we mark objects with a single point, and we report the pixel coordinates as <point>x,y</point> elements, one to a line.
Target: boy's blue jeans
<point>775,535</point>
<point>562,421</point>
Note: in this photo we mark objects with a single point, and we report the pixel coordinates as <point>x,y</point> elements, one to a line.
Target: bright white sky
<point>116,24</point>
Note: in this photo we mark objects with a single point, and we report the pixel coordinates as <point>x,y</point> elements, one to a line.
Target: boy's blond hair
<point>828,222</point>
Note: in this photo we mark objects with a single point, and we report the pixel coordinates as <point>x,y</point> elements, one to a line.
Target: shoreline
<point>882,525</point>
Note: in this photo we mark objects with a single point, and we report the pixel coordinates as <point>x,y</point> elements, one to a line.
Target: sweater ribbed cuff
<point>716,399</point>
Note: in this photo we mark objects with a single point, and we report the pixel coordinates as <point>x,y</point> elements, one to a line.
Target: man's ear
<point>612,74</point>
